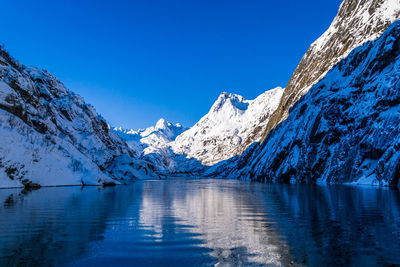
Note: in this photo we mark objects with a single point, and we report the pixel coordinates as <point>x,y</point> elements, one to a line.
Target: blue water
<point>200,222</point>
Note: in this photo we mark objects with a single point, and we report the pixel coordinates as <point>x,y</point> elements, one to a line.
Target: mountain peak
<point>231,125</point>
<point>162,124</point>
<point>234,101</point>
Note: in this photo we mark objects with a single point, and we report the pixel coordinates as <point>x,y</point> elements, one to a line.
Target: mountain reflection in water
<point>200,222</point>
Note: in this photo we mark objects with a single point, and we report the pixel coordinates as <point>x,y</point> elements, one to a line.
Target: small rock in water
<point>109,184</point>
<point>29,185</point>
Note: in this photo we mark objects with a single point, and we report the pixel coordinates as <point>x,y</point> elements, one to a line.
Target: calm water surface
<point>200,222</point>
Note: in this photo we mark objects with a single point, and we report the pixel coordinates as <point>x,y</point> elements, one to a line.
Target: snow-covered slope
<point>231,125</point>
<point>50,136</point>
<point>357,22</point>
<point>345,130</point>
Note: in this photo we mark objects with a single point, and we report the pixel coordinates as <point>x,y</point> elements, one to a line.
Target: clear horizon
<point>136,62</point>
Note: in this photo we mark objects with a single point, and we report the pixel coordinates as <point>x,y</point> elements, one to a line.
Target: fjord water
<point>200,222</point>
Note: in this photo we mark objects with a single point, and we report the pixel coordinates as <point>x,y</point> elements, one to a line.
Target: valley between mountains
<point>336,121</point>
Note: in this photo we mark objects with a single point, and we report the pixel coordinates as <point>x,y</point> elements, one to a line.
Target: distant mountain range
<point>149,140</point>
<point>232,124</point>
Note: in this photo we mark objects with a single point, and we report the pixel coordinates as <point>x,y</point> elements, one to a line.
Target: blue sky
<point>137,61</point>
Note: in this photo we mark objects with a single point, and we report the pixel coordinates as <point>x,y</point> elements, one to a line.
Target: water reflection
<point>52,226</point>
<point>200,222</point>
<point>339,225</point>
<point>229,222</point>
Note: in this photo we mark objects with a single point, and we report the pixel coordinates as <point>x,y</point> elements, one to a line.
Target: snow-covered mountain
<point>345,130</point>
<point>146,141</point>
<point>153,143</point>
<point>357,22</point>
<point>231,125</point>
<point>341,126</point>
<point>50,136</point>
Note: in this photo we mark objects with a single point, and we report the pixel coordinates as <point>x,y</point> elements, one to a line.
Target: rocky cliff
<point>357,22</point>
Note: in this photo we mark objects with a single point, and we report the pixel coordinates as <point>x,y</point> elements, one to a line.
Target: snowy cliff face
<point>357,22</point>
<point>345,130</point>
<point>50,136</point>
<point>231,125</point>
<point>153,143</point>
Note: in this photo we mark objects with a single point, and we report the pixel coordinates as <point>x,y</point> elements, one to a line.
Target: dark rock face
<point>357,22</point>
<point>345,130</point>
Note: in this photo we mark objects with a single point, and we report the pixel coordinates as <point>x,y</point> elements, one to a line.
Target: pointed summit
<point>233,101</point>
<point>162,124</point>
